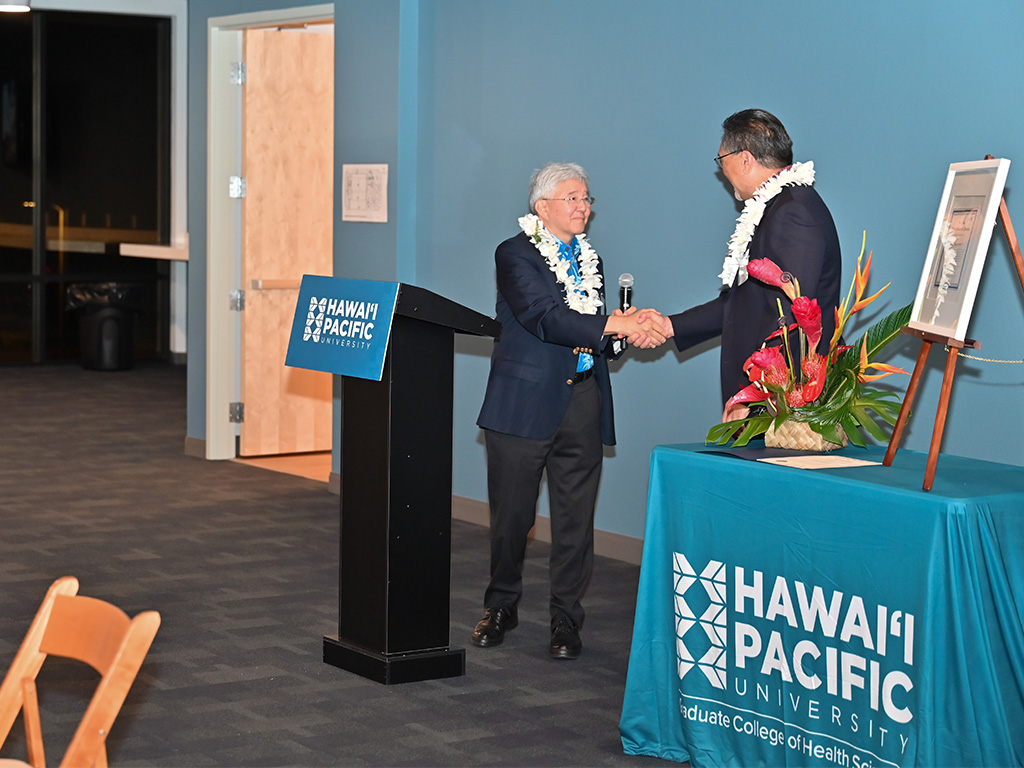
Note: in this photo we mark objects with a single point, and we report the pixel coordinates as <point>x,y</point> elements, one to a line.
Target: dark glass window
<point>93,92</point>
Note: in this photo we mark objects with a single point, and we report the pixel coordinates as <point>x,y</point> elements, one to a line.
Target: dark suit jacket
<point>798,234</point>
<point>534,361</point>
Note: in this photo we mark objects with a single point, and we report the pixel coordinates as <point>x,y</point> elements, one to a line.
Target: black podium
<point>396,500</point>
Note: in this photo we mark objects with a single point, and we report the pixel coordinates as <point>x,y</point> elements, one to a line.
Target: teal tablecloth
<point>838,617</point>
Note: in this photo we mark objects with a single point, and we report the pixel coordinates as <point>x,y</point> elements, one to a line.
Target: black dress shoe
<point>491,629</point>
<point>565,640</point>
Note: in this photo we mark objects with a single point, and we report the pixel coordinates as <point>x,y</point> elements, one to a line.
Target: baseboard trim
<point>195,447</point>
<point>606,544</point>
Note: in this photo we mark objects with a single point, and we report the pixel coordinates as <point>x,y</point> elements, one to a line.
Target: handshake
<point>643,328</point>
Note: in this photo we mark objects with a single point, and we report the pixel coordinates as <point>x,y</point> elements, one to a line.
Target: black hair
<point>762,134</point>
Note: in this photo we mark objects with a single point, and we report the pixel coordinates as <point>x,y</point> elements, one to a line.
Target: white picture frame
<point>958,247</point>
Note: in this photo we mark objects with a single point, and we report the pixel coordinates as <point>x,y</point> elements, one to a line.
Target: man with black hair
<point>784,220</point>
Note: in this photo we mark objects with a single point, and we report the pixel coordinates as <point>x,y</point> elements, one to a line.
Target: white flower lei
<point>582,295</point>
<point>734,268</point>
<point>948,240</point>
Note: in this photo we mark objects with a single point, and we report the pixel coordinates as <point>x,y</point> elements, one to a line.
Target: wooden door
<point>288,140</point>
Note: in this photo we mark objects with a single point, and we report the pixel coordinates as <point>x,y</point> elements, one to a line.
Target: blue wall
<point>465,98</point>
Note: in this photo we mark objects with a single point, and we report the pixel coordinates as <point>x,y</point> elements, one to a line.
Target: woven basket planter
<point>798,436</point>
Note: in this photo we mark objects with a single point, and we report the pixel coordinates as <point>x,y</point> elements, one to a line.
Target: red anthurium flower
<point>767,271</point>
<point>749,394</point>
<point>815,369</point>
<point>808,317</point>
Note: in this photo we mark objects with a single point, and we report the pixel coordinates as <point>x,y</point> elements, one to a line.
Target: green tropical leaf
<point>867,423</point>
<point>751,427</point>
<point>828,431</point>
<point>720,434</point>
<point>885,404</point>
<point>756,425</point>
<point>878,336</point>
<point>850,427</point>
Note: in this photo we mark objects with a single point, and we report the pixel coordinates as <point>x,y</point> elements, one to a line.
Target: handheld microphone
<point>625,291</point>
<point>625,302</point>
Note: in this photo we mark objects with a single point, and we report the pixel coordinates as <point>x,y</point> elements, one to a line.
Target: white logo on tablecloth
<point>849,647</point>
<point>713,621</point>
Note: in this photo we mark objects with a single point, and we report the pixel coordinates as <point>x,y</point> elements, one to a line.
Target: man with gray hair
<point>548,404</point>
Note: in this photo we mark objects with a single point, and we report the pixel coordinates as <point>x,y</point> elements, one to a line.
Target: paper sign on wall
<point>364,192</point>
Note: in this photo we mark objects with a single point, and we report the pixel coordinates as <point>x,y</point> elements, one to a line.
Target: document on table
<point>818,461</point>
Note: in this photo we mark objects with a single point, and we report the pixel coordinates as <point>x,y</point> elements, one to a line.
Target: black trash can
<point>106,325</point>
<point>107,338</point>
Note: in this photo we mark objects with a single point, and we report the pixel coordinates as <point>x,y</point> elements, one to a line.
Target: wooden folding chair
<point>88,630</point>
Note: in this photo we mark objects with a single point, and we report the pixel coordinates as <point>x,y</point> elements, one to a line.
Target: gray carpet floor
<point>242,564</point>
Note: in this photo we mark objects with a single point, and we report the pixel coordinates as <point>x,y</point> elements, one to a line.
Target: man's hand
<point>646,335</point>
<point>651,323</point>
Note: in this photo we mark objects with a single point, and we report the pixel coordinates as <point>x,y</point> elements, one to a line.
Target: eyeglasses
<point>718,160</point>
<point>572,202</point>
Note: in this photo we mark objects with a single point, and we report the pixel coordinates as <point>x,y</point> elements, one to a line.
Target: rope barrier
<point>987,359</point>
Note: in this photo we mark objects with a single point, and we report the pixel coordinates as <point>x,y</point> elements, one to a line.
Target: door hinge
<point>236,186</point>
<point>237,300</point>
<point>237,72</point>
<point>236,413</point>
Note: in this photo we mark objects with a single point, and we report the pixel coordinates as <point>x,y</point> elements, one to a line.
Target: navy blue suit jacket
<point>798,234</point>
<point>534,361</point>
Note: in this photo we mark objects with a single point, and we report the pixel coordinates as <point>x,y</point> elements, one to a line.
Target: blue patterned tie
<point>571,253</point>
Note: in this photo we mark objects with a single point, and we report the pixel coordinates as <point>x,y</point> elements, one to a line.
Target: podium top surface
<point>420,304</point>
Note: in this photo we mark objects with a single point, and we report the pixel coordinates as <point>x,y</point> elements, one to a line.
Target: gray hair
<point>550,176</point>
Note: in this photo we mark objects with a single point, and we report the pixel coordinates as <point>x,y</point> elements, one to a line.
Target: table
<point>829,617</point>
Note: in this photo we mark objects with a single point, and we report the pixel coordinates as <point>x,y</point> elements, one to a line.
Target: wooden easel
<point>954,346</point>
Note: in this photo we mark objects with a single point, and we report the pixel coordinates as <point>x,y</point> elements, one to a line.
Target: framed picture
<point>956,253</point>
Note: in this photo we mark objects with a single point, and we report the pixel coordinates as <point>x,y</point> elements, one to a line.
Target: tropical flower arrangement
<point>827,392</point>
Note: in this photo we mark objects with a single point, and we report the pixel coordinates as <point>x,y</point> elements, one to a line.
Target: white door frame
<point>224,217</point>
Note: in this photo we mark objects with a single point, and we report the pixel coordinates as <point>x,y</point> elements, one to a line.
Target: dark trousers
<point>572,457</point>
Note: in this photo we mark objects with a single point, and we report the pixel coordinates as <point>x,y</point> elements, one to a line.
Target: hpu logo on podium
<point>342,326</point>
